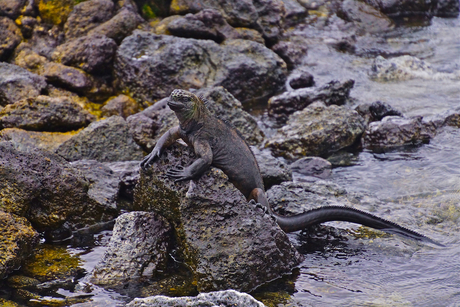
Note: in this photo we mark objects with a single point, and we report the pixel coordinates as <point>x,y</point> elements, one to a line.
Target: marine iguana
<point>217,143</point>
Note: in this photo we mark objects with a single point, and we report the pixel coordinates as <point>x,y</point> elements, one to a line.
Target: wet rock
<point>138,248</point>
<point>218,298</point>
<point>103,182</point>
<point>10,36</point>
<point>402,8</point>
<point>221,234</point>
<point>366,17</point>
<point>207,24</point>
<point>292,52</point>
<point>283,105</point>
<point>17,83</point>
<point>300,78</point>
<point>127,173</point>
<point>86,16</point>
<point>45,113</point>
<point>312,166</point>
<point>317,130</point>
<point>246,69</point>
<point>121,105</point>
<point>395,131</point>
<point>447,8</point>
<point>119,26</point>
<point>273,170</point>
<point>17,240</point>
<point>68,77</point>
<point>29,140</point>
<point>93,54</point>
<point>11,9</point>
<point>376,111</point>
<point>47,190</point>
<point>105,140</point>
<point>55,11</point>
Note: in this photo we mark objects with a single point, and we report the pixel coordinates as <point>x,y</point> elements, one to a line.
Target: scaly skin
<point>218,144</point>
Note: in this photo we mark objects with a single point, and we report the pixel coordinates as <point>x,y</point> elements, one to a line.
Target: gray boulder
<point>105,140</point>
<point>227,243</point>
<point>312,167</point>
<point>317,130</point>
<point>17,83</point>
<point>218,298</point>
<point>68,77</point>
<point>150,66</point>
<point>273,170</point>
<point>138,248</point>
<point>44,113</point>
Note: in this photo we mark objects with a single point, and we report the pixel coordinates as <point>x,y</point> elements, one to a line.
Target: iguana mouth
<point>175,105</point>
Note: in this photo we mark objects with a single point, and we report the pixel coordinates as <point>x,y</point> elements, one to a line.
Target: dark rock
<point>86,16</point>
<point>250,34</point>
<point>292,52</point>
<point>317,130</point>
<point>403,8</point>
<point>138,248</point>
<point>218,298</point>
<point>221,235</point>
<point>17,83</point>
<point>366,17</point>
<point>27,26</point>
<point>68,77</point>
<point>300,78</point>
<point>11,9</point>
<point>104,141</point>
<point>93,54</point>
<point>312,166</point>
<point>295,13</point>
<point>127,173</point>
<point>47,190</point>
<point>121,105</point>
<point>150,66</point>
<point>43,41</point>
<point>273,170</point>
<point>45,113</point>
<point>447,8</point>
<point>119,26</point>
<point>395,131</point>
<point>17,240</point>
<point>29,140</point>
<point>335,92</point>
<point>10,36</point>
<point>376,111</point>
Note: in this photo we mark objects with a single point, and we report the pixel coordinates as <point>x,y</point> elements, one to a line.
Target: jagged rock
<point>10,37</point>
<point>221,235</point>
<point>218,298</point>
<point>43,41</point>
<point>300,78</point>
<point>121,105</point>
<point>283,105</point>
<point>105,140</point>
<point>138,248</point>
<point>395,131</point>
<point>312,166</point>
<point>295,13</point>
<point>376,111</point>
<point>366,17</point>
<point>11,9</point>
<point>26,140</point>
<point>68,77</point>
<point>45,113</point>
<point>92,53</point>
<point>317,130</point>
<point>17,83</point>
<point>127,173</point>
<point>17,240</point>
<point>144,61</point>
<point>86,16</point>
<point>47,190</point>
<point>292,52</point>
<point>273,170</point>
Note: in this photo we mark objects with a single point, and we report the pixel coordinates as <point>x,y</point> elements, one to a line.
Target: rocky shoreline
<point>83,91</point>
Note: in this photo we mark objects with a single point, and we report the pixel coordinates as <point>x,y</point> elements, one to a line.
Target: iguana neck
<point>193,119</point>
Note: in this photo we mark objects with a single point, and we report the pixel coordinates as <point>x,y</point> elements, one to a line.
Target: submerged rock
<point>219,298</point>
<point>138,248</point>
<point>317,130</point>
<point>17,240</point>
<point>105,140</point>
<point>227,243</point>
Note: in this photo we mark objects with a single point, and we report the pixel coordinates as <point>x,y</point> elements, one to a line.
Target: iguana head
<point>186,105</point>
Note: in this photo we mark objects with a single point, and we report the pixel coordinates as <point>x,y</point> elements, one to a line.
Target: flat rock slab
<point>227,243</point>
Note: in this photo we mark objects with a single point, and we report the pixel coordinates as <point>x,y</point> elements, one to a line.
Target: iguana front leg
<point>165,141</point>
<point>198,167</point>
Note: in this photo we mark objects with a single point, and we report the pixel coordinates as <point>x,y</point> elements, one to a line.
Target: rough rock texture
<point>273,170</point>
<point>366,17</point>
<point>218,298</point>
<point>402,8</point>
<point>447,8</point>
<point>17,83</point>
<point>227,243</point>
<point>68,77</point>
<point>150,66</point>
<point>11,9</point>
<point>46,190</point>
<point>395,131</point>
<point>104,141</point>
<point>317,130</point>
<point>300,78</point>
<point>292,51</point>
<point>138,248</point>
<point>10,37</point>
<point>121,105</point>
<point>45,113</point>
<point>377,110</point>
<point>26,140</point>
<point>17,240</point>
<point>92,53</point>
<point>312,166</point>
<point>335,92</point>
<point>86,16</point>
<point>127,173</point>
<point>45,38</point>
